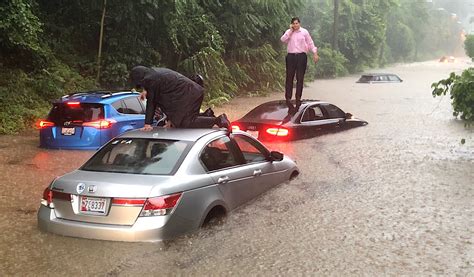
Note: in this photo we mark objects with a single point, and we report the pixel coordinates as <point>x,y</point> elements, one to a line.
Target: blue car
<point>87,120</point>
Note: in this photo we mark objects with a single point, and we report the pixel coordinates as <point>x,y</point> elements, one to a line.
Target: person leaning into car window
<point>299,43</point>
<point>176,95</point>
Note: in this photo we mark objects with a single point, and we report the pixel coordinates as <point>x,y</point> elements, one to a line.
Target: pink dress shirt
<point>299,41</point>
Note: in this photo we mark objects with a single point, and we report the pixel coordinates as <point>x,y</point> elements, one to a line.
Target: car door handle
<point>223,180</point>
<point>133,123</point>
<point>257,172</point>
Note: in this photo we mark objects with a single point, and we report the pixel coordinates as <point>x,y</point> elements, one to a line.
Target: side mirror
<point>276,156</point>
<point>348,115</point>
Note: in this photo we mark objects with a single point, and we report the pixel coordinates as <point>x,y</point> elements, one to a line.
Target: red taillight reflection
<point>162,205</point>
<point>44,123</point>
<point>73,104</point>
<point>162,202</point>
<point>235,127</point>
<point>279,132</point>
<point>128,201</point>
<point>99,124</point>
<point>48,196</point>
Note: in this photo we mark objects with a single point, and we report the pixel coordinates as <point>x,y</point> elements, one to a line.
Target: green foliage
<point>401,41</point>
<point>331,64</point>
<point>461,88</point>
<point>469,46</point>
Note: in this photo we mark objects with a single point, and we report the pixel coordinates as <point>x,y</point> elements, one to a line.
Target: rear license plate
<point>68,131</point>
<point>93,205</point>
<point>253,133</point>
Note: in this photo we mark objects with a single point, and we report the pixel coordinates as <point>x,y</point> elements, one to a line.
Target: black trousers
<point>193,119</point>
<point>295,64</point>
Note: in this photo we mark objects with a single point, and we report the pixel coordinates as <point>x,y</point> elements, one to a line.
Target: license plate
<point>68,131</point>
<point>253,133</point>
<point>93,205</point>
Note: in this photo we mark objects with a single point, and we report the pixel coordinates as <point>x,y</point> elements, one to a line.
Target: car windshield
<point>139,156</point>
<point>75,112</point>
<point>275,111</point>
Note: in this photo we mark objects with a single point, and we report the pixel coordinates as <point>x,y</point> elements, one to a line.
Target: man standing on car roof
<point>299,43</point>
<point>177,96</point>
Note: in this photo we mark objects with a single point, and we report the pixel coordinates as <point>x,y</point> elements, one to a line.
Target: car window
<point>218,155</point>
<point>75,113</point>
<point>139,156</point>
<point>393,78</point>
<point>252,150</point>
<point>118,105</point>
<point>334,112</point>
<point>133,106</point>
<point>384,78</point>
<point>312,113</point>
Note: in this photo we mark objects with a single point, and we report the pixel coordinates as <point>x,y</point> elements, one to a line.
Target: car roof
<point>172,133</point>
<point>96,96</point>
<point>282,103</point>
<point>378,74</point>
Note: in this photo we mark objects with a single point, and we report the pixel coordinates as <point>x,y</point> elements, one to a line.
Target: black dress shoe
<point>209,113</point>
<point>223,121</point>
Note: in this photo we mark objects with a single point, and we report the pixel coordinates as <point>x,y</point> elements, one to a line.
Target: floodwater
<point>394,197</point>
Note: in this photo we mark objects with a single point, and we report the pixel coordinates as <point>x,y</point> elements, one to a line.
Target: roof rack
<point>105,93</point>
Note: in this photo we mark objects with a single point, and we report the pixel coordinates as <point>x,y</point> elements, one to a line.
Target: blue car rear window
<point>139,156</point>
<point>76,112</point>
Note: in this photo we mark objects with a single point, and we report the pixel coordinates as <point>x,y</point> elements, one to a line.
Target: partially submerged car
<point>447,59</point>
<point>379,78</point>
<point>151,186</point>
<point>275,120</point>
<point>87,120</point>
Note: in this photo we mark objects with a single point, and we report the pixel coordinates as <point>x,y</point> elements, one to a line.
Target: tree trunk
<point>334,27</point>
<point>101,36</point>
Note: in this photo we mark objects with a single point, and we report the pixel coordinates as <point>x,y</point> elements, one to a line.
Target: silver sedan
<point>151,186</point>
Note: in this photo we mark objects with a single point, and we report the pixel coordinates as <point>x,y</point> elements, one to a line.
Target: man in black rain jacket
<point>178,97</point>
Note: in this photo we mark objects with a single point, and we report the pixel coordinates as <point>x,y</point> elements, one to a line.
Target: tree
<point>469,46</point>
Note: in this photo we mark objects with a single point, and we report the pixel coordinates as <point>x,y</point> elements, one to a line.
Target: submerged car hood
<point>106,184</point>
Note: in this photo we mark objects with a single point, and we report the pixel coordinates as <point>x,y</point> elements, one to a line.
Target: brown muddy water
<point>394,197</point>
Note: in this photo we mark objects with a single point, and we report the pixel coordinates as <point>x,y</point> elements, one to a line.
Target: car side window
<point>312,113</point>
<point>251,149</point>
<point>334,112</point>
<point>218,155</point>
<point>133,106</point>
<point>118,105</point>
<point>393,78</point>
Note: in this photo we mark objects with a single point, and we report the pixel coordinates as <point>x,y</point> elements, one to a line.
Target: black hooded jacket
<point>177,96</point>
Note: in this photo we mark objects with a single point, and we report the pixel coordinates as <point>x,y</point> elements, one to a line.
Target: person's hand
<point>315,58</point>
<point>143,95</point>
<point>147,128</point>
<point>291,27</point>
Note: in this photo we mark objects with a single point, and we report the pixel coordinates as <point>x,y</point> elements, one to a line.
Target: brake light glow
<point>47,197</point>
<point>279,132</point>
<point>99,124</point>
<point>44,124</point>
<point>162,205</point>
<point>235,128</point>
<point>73,104</point>
<point>128,201</point>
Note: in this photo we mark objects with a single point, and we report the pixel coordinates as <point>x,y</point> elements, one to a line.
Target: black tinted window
<point>133,106</point>
<point>269,112</point>
<point>313,113</point>
<point>75,112</point>
<point>217,155</point>
<point>334,112</point>
<point>251,149</point>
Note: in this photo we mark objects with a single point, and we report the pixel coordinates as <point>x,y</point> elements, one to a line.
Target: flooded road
<point>394,197</point>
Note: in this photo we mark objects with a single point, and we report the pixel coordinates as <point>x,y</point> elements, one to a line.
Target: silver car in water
<point>152,186</point>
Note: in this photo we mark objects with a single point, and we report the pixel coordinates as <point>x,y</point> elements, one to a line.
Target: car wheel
<point>215,216</point>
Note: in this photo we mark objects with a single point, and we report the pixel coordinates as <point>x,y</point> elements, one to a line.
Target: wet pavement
<point>394,197</point>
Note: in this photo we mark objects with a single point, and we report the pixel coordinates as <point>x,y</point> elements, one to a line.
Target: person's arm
<point>150,110</point>
<point>311,46</point>
<point>286,36</point>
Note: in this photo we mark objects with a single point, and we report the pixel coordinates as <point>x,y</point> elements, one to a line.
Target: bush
<point>469,46</point>
<point>24,99</point>
<point>331,64</point>
<point>461,88</point>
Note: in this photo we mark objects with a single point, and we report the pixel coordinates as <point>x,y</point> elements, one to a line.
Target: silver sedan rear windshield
<point>139,156</point>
